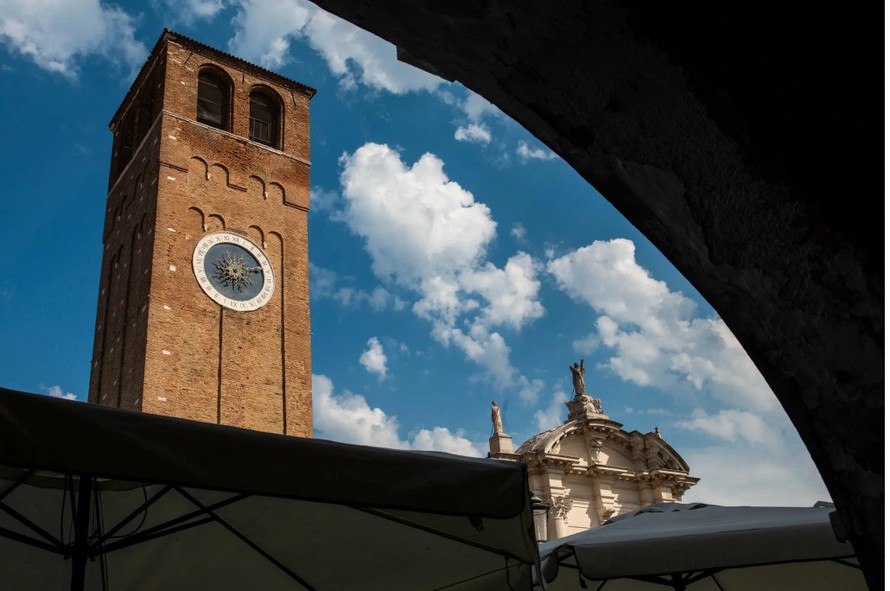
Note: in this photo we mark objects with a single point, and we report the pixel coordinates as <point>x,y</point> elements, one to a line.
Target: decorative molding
<point>584,406</point>
<point>560,507</point>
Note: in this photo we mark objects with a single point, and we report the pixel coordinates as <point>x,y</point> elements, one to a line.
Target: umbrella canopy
<point>100,498</point>
<point>705,547</point>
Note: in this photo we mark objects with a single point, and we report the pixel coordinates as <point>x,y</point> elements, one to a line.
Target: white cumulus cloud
<point>740,475</point>
<point>326,284</point>
<point>518,232</point>
<point>474,110</point>
<point>654,333</point>
<point>732,425</point>
<point>189,11</point>
<point>58,392</point>
<point>427,234</point>
<point>441,439</point>
<point>58,34</point>
<point>323,200</point>
<point>417,223</point>
<point>511,293</point>
<point>265,29</point>
<point>657,338</point>
<point>475,107</point>
<point>526,152</point>
<point>474,133</point>
<point>373,358</point>
<point>348,418</point>
<point>554,414</point>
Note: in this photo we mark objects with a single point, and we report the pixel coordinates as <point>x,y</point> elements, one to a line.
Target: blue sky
<point>455,260</point>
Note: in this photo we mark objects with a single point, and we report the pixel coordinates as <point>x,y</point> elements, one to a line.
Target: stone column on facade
<point>647,496</point>
<point>559,517</point>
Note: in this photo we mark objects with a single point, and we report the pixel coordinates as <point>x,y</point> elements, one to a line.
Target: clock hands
<point>232,270</point>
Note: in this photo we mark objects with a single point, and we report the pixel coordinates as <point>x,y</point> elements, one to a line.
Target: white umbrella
<point>103,499</point>
<point>703,547</point>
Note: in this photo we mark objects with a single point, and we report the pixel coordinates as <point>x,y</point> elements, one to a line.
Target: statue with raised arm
<point>578,378</point>
<point>496,418</point>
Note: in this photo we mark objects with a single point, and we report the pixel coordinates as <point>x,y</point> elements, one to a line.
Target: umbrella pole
<point>80,548</point>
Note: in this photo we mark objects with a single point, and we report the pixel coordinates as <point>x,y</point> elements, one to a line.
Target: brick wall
<point>192,358</point>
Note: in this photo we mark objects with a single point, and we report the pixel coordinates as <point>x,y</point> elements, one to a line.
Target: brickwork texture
<point>161,344</point>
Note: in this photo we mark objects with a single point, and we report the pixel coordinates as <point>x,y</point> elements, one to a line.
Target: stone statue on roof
<point>578,378</point>
<point>496,418</point>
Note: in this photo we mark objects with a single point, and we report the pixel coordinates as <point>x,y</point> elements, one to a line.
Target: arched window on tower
<point>213,100</point>
<point>265,116</point>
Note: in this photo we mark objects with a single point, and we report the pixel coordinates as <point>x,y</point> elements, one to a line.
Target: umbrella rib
<point>149,536</point>
<point>256,547</point>
<point>165,528</point>
<point>678,580</point>
<point>845,563</point>
<point>442,534</point>
<point>30,524</point>
<point>12,535</point>
<point>56,545</point>
<point>696,577</point>
<point>27,474</point>
<point>474,577</point>
<point>132,516</point>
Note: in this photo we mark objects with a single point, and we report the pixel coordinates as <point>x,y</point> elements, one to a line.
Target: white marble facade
<point>589,469</point>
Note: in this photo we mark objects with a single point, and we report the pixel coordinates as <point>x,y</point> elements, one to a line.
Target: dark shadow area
<point>746,145</point>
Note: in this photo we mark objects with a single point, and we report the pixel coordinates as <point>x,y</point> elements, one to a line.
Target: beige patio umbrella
<point>700,547</point>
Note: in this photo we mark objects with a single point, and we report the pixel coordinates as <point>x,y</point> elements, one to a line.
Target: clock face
<point>233,271</point>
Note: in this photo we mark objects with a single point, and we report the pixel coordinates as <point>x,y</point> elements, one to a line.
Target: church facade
<point>203,307</point>
<point>589,469</point>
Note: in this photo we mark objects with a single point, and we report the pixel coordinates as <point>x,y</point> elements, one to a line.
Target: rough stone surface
<point>162,345</point>
<point>746,146</point>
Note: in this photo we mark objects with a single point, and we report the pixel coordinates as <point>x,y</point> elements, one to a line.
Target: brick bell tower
<point>203,306</point>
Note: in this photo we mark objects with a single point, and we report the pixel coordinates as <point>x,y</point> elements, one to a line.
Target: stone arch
<point>276,191</point>
<point>200,166</point>
<point>128,314</point>
<point>275,245</point>
<point>105,295</point>
<point>152,171</point>
<point>215,223</point>
<point>218,172</point>
<point>131,192</point>
<point>200,215</point>
<point>138,186</point>
<point>730,180</point>
<point>112,222</point>
<point>256,234</point>
<point>140,225</point>
<point>256,188</point>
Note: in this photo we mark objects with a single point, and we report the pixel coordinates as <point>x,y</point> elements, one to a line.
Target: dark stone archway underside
<point>747,146</point>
